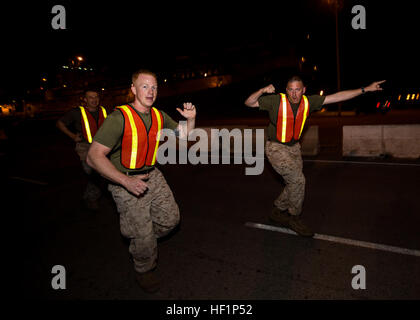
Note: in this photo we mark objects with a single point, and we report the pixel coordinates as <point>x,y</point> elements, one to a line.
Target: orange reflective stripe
<point>86,122</point>
<point>284,120</point>
<point>134,137</point>
<point>159,123</point>
<point>305,113</point>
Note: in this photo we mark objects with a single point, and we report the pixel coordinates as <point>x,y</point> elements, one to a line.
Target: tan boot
<point>297,225</point>
<point>281,217</point>
<point>148,281</point>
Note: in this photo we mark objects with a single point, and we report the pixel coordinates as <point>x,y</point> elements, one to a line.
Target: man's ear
<point>304,90</point>
<point>133,89</point>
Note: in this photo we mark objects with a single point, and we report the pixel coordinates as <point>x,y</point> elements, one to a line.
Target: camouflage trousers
<point>145,218</point>
<point>287,161</point>
<point>93,190</point>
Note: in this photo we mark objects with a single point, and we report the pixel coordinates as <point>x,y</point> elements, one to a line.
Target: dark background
<point>121,36</point>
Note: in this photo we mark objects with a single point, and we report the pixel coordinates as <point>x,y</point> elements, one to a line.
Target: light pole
<point>336,4</point>
<point>337,52</point>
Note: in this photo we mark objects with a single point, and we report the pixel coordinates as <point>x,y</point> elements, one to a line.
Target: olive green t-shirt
<point>271,103</point>
<point>111,132</point>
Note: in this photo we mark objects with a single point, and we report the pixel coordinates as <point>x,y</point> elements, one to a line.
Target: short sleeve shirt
<point>271,103</point>
<point>73,120</point>
<point>111,132</point>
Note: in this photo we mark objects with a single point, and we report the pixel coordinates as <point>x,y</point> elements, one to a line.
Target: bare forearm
<point>190,125</point>
<point>342,96</point>
<point>60,125</point>
<point>350,94</point>
<point>185,127</point>
<point>252,100</point>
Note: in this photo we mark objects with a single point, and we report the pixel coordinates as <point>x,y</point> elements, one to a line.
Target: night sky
<point>121,37</point>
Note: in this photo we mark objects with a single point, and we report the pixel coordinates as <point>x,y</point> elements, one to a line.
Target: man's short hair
<point>142,71</point>
<point>295,78</point>
<point>90,89</point>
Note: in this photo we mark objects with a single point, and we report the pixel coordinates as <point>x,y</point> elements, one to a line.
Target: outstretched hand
<point>375,86</point>
<point>189,111</point>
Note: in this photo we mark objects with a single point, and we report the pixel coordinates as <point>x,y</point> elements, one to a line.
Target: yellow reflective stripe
<point>86,121</point>
<point>158,134</point>
<point>305,114</point>
<point>103,112</point>
<point>283,128</point>
<point>134,137</point>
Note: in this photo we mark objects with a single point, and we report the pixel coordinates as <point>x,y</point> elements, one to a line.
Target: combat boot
<point>281,217</point>
<point>297,225</point>
<point>148,281</point>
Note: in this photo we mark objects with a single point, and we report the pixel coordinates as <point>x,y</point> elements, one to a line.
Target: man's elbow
<point>89,159</point>
<point>251,105</point>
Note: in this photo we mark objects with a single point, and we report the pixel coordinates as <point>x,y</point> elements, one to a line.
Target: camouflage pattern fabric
<point>287,161</point>
<point>145,218</point>
<point>92,191</point>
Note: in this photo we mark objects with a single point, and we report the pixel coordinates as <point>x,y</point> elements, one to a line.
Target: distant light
<point>103,89</point>
<point>408,96</point>
<point>205,74</point>
<point>85,69</point>
<point>303,59</point>
<point>80,68</point>
<point>44,79</point>
<point>165,80</point>
<point>307,37</point>
<point>41,88</point>
<point>91,69</point>
<point>389,103</point>
<point>315,68</point>
<point>412,96</point>
<point>399,97</point>
<point>417,96</point>
<point>64,86</point>
<point>377,105</point>
<point>79,58</point>
<point>65,67</point>
<point>321,92</point>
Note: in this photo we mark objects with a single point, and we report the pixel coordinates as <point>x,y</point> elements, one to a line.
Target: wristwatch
<point>363,90</point>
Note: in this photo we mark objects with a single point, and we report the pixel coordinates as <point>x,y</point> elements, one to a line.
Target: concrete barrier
<point>400,141</point>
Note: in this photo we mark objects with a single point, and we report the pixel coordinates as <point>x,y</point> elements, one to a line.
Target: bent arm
<point>252,100</point>
<point>97,159</point>
<point>60,125</point>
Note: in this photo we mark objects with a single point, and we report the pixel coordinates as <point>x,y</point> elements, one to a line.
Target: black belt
<point>133,173</point>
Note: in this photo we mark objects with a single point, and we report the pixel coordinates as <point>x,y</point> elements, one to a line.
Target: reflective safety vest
<point>139,145</point>
<point>287,125</point>
<point>89,125</point>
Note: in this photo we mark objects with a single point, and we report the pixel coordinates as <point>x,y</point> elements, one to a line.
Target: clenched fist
<point>269,89</point>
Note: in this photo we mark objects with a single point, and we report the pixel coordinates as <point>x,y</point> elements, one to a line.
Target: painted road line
<point>345,241</point>
<point>30,181</point>
<point>365,162</point>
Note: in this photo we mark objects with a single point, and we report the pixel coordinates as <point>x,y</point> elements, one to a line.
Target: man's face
<point>145,90</point>
<point>295,90</point>
<point>92,99</point>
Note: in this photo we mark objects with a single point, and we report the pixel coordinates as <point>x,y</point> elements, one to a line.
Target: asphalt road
<point>212,254</point>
